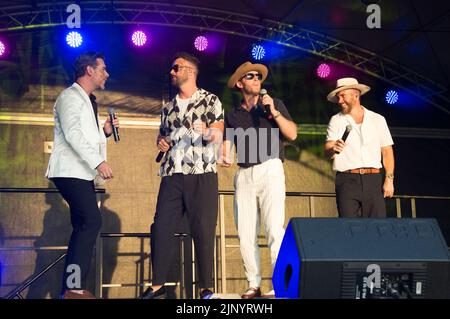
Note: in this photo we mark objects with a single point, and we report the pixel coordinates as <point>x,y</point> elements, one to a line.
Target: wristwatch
<point>276,115</point>
<point>390,175</point>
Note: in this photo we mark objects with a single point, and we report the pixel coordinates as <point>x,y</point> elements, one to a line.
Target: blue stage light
<point>392,97</point>
<point>258,52</point>
<point>74,39</point>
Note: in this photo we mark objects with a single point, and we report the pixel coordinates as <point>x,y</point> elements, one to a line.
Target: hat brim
<point>360,87</point>
<point>244,69</point>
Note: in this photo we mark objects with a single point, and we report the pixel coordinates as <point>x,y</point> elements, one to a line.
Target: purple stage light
<point>139,38</point>
<point>201,43</point>
<point>323,71</point>
<point>2,48</point>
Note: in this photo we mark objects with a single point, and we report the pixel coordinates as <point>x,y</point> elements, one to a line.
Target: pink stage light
<point>139,38</point>
<point>201,43</point>
<point>323,71</point>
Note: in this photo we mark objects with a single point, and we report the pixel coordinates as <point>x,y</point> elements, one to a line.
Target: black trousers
<point>360,195</point>
<point>197,196</point>
<point>86,223</point>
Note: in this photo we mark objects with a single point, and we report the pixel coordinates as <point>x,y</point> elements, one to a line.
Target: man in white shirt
<point>358,158</point>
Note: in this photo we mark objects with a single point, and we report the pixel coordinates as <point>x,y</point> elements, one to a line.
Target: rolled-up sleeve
<point>385,134</point>
<point>333,129</point>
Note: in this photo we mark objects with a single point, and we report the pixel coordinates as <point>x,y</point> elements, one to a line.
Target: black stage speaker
<point>362,258</point>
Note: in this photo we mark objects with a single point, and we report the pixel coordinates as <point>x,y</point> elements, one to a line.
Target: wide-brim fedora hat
<point>243,69</point>
<point>345,84</point>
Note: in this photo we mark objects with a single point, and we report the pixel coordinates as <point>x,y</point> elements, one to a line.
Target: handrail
<point>324,194</point>
<point>39,190</point>
<point>16,292</point>
<point>221,192</point>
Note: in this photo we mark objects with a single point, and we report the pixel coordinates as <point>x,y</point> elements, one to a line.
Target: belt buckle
<point>362,171</point>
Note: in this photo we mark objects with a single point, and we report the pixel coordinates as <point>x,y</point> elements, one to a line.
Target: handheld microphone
<point>265,107</point>
<point>346,133</point>
<point>112,116</point>
<point>161,153</point>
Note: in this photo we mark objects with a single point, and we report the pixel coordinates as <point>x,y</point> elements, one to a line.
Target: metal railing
<point>99,285</point>
<point>16,293</point>
<point>220,246</point>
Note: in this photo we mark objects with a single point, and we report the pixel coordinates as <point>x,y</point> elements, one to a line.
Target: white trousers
<point>261,186</point>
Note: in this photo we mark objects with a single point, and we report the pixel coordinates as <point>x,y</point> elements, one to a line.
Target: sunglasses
<point>250,76</point>
<point>177,67</point>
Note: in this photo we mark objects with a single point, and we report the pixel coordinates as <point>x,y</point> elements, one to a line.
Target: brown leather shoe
<point>251,292</point>
<point>69,294</point>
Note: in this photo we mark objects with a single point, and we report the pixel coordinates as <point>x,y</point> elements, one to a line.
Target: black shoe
<point>151,294</point>
<point>206,294</point>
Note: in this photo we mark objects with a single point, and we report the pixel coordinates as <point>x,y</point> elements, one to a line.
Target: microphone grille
<point>110,110</point>
<point>349,128</point>
<point>262,92</point>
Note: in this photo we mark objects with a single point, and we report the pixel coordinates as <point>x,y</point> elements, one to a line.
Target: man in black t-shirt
<point>257,127</point>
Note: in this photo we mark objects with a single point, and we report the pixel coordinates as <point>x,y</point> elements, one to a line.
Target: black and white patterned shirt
<point>190,153</point>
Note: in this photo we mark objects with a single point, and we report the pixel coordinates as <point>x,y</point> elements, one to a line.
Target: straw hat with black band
<point>345,84</point>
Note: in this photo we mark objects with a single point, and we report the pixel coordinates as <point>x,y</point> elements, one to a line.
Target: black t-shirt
<point>256,136</point>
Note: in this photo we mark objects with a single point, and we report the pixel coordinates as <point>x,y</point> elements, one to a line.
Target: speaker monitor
<point>362,258</point>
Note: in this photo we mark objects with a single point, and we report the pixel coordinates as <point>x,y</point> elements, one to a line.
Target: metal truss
<point>42,15</point>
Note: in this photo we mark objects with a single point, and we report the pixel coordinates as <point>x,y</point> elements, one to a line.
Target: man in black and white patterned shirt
<point>191,125</point>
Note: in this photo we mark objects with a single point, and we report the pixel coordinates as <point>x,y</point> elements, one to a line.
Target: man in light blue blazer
<point>78,163</point>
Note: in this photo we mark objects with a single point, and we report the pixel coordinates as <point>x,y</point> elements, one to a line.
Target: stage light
<point>74,39</point>
<point>392,97</point>
<point>2,48</point>
<point>323,71</point>
<point>258,52</point>
<point>139,38</point>
<point>201,43</point>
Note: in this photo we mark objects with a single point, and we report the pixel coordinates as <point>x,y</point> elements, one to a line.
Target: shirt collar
<point>82,91</point>
<point>239,107</point>
<point>192,98</point>
<point>367,116</point>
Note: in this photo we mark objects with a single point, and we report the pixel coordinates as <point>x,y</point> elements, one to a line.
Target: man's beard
<point>347,108</point>
<point>251,91</point>
<point>176,81</point>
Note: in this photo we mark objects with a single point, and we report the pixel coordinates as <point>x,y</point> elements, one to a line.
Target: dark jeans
<point>197,196</point>
<point>360,195</point>
<point>86,222</point>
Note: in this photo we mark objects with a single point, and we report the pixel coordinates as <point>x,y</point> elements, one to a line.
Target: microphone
<point>161,153</point>
<point>346,133</point>
<point>265,107</point>
<point>112,116</point>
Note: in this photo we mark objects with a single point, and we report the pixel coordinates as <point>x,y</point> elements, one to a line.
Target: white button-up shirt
<point>363,144</point>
